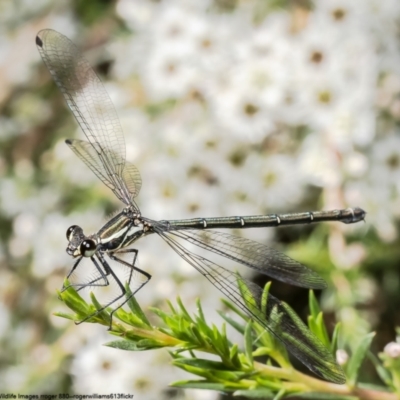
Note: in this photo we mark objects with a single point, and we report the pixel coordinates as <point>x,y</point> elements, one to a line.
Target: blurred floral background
<point>229,107</point>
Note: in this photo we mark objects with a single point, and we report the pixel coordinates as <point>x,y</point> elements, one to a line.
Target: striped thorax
<point>119,232</point>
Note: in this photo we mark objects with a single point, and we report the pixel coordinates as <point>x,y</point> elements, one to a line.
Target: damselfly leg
<point>108,283</point>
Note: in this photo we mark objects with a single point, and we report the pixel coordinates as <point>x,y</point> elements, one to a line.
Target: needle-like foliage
<point>235,367</point>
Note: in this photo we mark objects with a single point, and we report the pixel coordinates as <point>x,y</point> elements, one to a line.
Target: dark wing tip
<point>39,42</point>
<point>68,142</point>
<point>41,36</point>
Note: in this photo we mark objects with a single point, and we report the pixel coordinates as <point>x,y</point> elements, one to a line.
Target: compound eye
<point>70,231</point>
<point>88,247</point>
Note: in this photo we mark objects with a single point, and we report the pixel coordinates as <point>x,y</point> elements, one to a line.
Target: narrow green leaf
<point>171,307</point>
<point>149,344</point>
<point>264,298</point>
<point>238,326</point>
<point>199,384</point>
<point>383,373</point>
<point>203,328</point>
<point>74,301</point>
<point>195,370</point>
<point>312,325</point>
<point>124,345</point>
<point>265,338</point>
<point>186,347</point>
<point>234,356</point>
<point>280,394</point>
<point>197,335</point>
<point>172,321</point>
<point>236,310</point>
<point>200,311</point>
<point>202,363</point>
<point>357,358</point>
<point>255,394</point>
<point>95,302</point>
<point>161,314</point>
<point>322,332</point>
<point>313,304</point>
<point>183,310</point>
<point>177,356</point>
<point>246,294</point>
<point>229,376</point>
<point>335,337</point>
<point>225,342</point>
<point>269,383</point>
<point>103,314</point>
<point>248,342</point>
<point>180,328</point>
<point>220,344</point>
<point>212,369</point>
<point>183,325</point>
<point>261,351</point>
<point>135,307</point>
<point>64,315</point>
<point>130,318</point>
<point>322,396</point>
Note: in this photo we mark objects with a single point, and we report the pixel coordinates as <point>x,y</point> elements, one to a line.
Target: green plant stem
<point>154,334</point>
<point>368,394</point>
<point>320,386</point>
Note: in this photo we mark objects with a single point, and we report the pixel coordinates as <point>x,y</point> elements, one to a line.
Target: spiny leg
<point>92,282</point>
<point>134,268</point>
<point>109,271</point>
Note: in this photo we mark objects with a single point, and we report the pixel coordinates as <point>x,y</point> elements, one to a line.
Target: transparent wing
<point>279,319</point>
<point>86,152</point>
<point>90,104</point>
<point>263,259</point>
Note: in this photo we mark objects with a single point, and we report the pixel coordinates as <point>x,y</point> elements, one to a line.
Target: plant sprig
<point>235,368</point>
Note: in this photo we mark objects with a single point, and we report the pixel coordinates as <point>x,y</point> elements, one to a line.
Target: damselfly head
<point>79,244</point>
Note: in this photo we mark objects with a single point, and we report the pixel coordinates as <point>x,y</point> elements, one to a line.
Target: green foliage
<point>316,322</point>
<point>357,358</point>
<point>232,367</point>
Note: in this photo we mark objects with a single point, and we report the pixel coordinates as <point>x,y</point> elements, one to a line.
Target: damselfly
<point>104,154</point>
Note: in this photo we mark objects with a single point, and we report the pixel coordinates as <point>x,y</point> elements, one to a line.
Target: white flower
<point>104,370</point>
<point>375,198</point>
<point>280,184</point>
<point>392,349</point>
<point>100,369</point>
<point>248,93</point>
<point>168,75</point>
<point>318,162</point>
<point>168,69</point>
<point>341,356</point>
<point>242,113</point>
<point>5,319</point>
<point>136,14</point>
<point>385,161</point>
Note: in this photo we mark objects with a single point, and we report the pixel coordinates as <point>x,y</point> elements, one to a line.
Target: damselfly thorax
<point>118,233</point>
